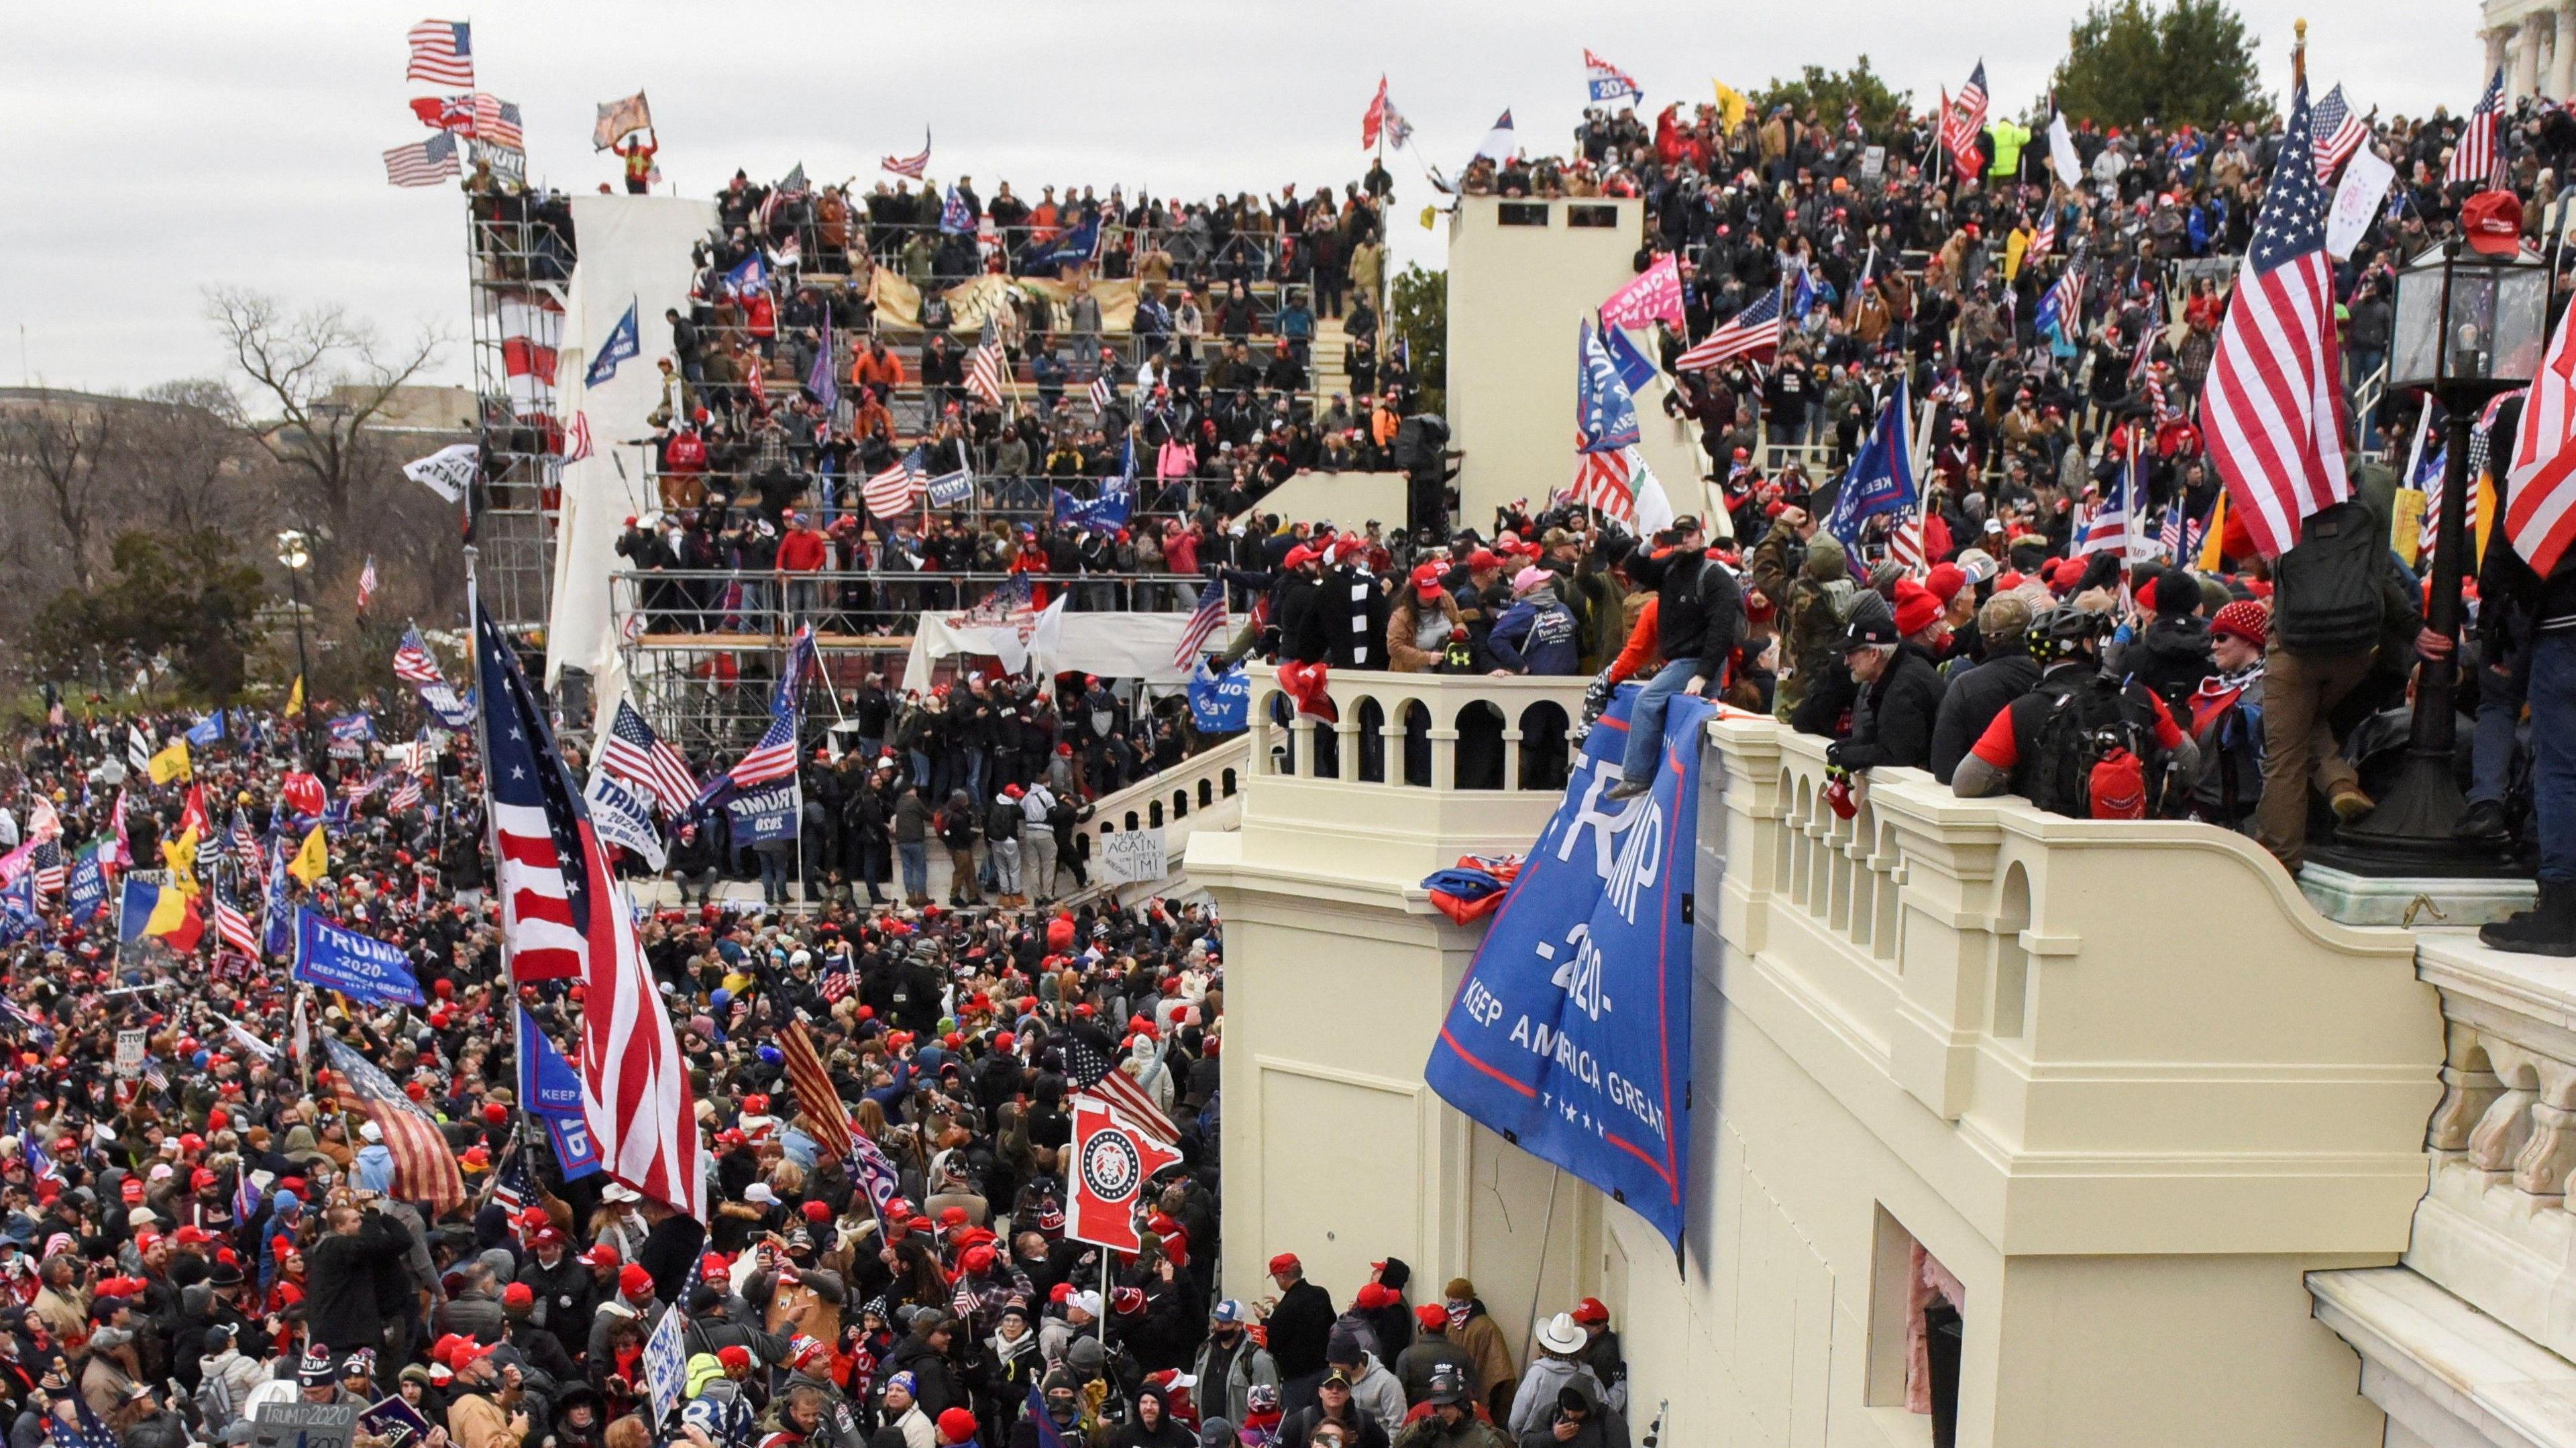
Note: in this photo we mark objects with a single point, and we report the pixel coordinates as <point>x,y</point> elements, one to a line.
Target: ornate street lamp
<point>2472,319</point>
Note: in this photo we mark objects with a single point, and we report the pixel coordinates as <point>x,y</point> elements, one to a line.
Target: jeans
<point>915,858</point>
<point>1646,720</point>
<point>2500,696</point>
<point>975,775</point>
<point>774,869</point>
<point>2553,753</point>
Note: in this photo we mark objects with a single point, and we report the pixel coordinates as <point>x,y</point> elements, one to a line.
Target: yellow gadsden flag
<point>1732,107</point>
<point>294,699</point>
<point>171,764</point>
<point>180,855</point>
<point>311,860</point>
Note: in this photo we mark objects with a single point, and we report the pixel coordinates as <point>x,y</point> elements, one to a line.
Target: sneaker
<point>2351,806</point>
<point>2482,824</point>
<point>1628,789</point>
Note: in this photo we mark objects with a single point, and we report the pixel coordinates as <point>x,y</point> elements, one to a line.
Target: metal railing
<point>769,605</point>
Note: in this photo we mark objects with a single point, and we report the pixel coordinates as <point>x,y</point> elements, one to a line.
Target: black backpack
<point>2327,597</point>
<point>2082,722</point>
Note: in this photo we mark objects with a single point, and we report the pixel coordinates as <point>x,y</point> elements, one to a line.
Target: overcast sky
<point>156,149</point>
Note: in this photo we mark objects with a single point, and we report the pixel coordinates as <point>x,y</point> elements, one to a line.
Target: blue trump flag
<point>1220,703</point>
<point>623,342</point>
<point>1108,512</point>
<point>1605,415</point>
<point>1636,369</point>
<point>1881,479</point>
<point>551,1091</point>
<point>360,967</point>
<point>86,895</point>
<point>1571,1034</point>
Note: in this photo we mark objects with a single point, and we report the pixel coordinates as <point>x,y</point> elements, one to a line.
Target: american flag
<point>425,1171</point>
<point>2540,508</point>
<point>893,490</point>
<point>1205,622</point>
<point>1905,542</point>
<point>1095,1075</point>
<point>86,1431</point>
<point>912,165</point>
<point>406,796</point>
<point>816,1098</point>
<point>576,444</point>
<point>497,121</point>
<point>232,927</point>
<point>841,982</point>
<point>2344,132</point>
<point>984,366</point>
<point>2273,407</point>
<point>2062,307</point>
<point>1606,481</point>
<point>1964,120</point>
<point>2113,525</point>
<point>1104,389</point>
<point>516,1185</point>
<point>2045,240</point>
<point>442,53</point>
<point>367,584</point>
<point>876,1175</point>
<point>412,661</point>
<point>633,754</point>
<point>47,866</point>
<point>565,916</point>
<point>2477,159</point>
<point>774,757</point>
<point>2142,361</point>
<point>2169,537</point>
<point>423,163</point>
<point>1753,332</point>
<point>245,843</point>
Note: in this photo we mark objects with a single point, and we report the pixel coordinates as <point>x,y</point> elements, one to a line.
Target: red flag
<point>303,793</point>
<point>1112,1162</point>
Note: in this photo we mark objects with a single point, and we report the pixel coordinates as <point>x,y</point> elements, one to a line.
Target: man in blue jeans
<point>1699,618</point>
<point>2517,602</point>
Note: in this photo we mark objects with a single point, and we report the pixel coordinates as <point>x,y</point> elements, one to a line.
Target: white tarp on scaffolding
<point>634,255</point>
<point>1053,641</point>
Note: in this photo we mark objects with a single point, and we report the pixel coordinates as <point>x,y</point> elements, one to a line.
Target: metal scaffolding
<point>518,264</point>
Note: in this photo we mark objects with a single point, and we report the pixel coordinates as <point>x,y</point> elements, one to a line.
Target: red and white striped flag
<point>984,368</point>
<point>425,1170</point>
<point>577,438</point>
<point>232,927</point>
<point>893,490</point>
<point>1963,120</point>
<point>442,53</point>
<point>496,122</point>
<point>2478,159</point>
<point>1095,1075</point>
<point>2273,410</point>
<point>423,163</point>
<point>1204,623</point>
<point>2540,502</point>
<point>1753,332</point>
<point>2339,132</point>
<point>633,754</point>
<point>816,1098</point>
<point>367,583</point>
<point>912,165</point>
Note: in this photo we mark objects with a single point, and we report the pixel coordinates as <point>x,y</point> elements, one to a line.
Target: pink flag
<point>1655,293</point>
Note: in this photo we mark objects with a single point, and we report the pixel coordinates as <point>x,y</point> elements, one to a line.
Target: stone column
<point>2526,58</point>
<point>2495,40</point>
<point>2562,57</point>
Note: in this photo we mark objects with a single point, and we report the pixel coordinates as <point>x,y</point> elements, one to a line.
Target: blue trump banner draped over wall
<point>1571,1034</point>
<point>360,967</point>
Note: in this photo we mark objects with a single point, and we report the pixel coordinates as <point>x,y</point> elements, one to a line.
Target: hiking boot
<point>2548,929</point>
<point>2351,806</point>
<point>2482,824</point>
<point>1628,789</point>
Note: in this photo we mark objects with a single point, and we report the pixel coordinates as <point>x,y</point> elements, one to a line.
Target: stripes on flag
<point>985,366</point>
<point>2478,158</point>
<point>1095,1075</point>
<point>1963,120</point>
<point>816,1100</point>
<point>633,754</point>
<point>2341,132</point>
<point>1753,332</point>
<point>496,122</point>
<point>1604,481</point>
<point>894,490</point>
<point>424,162</point>
<point>2273,407</point>
<point>232,927</point>
<point>2540,503</point>
<point>442,53</point>
<point>913,165</point>
<point>425,1171</point>
<point>1205,622</point>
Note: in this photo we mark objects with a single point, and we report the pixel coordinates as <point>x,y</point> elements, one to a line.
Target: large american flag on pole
<point>425,1171</point>
<point>985,365</point>
<point>1096,1075</point>
<point>2477,157</point>
<point>1963,120</point>
<point>632,752</point>
<point>423,163</point>
<point>565,916</point>
<point>774,757</point>
<point>2540,498</point>
<point>1753,332</point>
<point>1204,623</point>
<point>2273,408</point>
<point>892,491</point>
<point>816,1098</point>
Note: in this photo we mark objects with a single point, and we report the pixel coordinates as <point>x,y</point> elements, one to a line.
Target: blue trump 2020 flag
<point>1605,415</point>
<point>1571,1035</point>
<point>1881,479</point>
<point>623,342</point>
<point>551,1091</point>
<point>361,967</point>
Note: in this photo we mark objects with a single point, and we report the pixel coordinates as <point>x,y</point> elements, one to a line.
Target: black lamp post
<point>2470,325</point>
<point>293,552</point>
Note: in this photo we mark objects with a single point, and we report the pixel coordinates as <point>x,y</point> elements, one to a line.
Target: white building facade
<point>2535,42</point>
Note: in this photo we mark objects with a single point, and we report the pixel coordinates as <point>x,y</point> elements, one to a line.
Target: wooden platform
<point>735,642</point>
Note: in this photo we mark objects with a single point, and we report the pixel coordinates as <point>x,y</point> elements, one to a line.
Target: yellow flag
<point>2406,523</point>
<point>2212,556</point>
<point>1732,107</point>
<point>312,859</point>
<point>181,856</point>
<point>170,764</point>
<point>295,698</point>
<point>2486,518</point>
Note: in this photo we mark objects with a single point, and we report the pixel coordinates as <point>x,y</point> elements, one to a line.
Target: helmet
<point>2060,631</point>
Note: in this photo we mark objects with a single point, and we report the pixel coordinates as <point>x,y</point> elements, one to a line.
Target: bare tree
<point>188,462</point>
<point>54,449</point>
<point>326,376</point>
